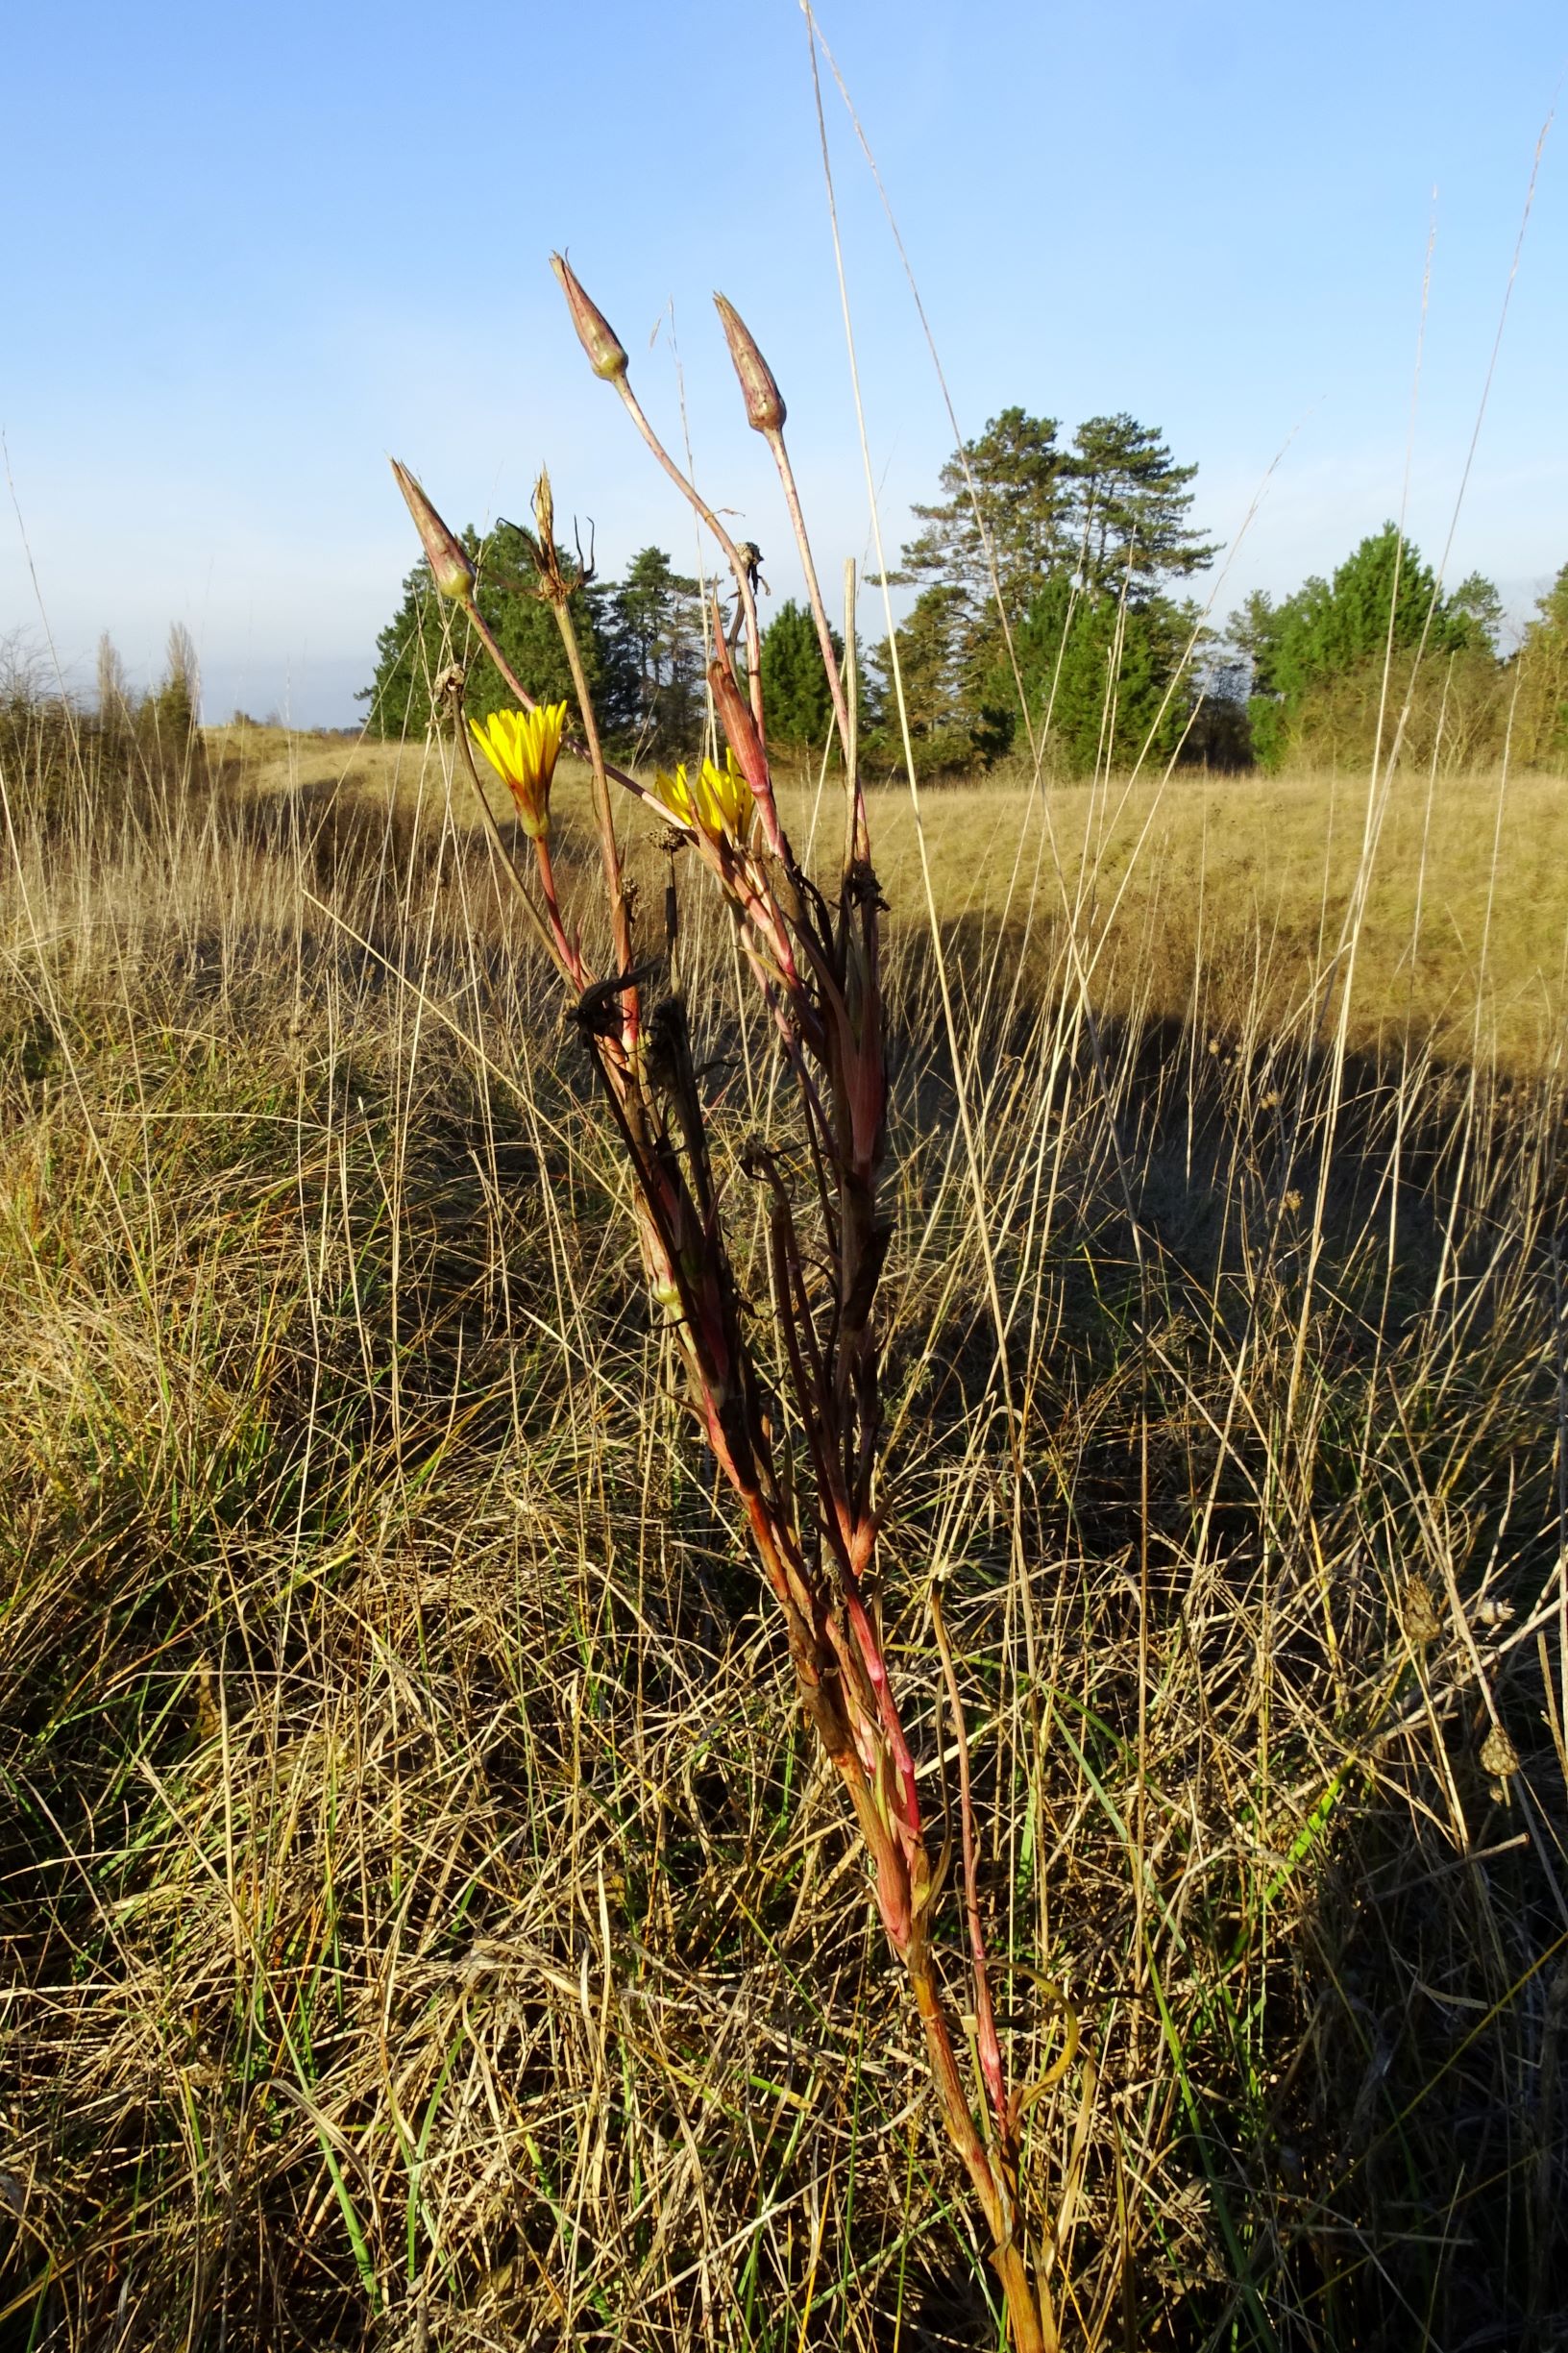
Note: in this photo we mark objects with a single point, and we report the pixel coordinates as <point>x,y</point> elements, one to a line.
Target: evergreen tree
<point>1380,594</point>
<point>1541,708</point>
<point>797,696</point>
<point>427,634</point>
<point>1110,518</point>
<point>1318,657</point>
<point>1127,508</point>
<point>1477,602</point>
<point>931,642</point>
<point>1016,469</point>
<point>1001,509</point>
<point>655,698</point>
<point>1101,675</point>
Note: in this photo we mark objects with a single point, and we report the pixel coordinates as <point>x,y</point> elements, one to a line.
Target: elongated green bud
<point>763,400</point>
<point>598,337</point>
<point>449,559</point>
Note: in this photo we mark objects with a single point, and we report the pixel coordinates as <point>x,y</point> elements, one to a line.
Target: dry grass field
<point>424,1922</point>
<point>1215,900</point>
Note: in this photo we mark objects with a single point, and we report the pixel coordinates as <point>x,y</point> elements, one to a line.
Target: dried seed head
<point>763,400</point>
<point>606,354</point>
<point>445,553</point>
<point>1419,1611</point>
<point>543,509</point>
<point>1498,1754</point>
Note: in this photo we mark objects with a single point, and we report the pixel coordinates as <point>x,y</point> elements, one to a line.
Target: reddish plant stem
<point>745,880</point>
<point>990,2049</point>
<point>834,1643</point>
<point>570,953</point>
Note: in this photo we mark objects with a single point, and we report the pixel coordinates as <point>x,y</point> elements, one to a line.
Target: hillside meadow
<point>1204,899</point>
<point>424,1920</point>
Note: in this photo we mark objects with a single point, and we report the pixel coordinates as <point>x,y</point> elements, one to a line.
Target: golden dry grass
<point>1220,899</point>
<point>422,1923</point>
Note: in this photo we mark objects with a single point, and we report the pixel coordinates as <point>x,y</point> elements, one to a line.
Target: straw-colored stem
<point>774,438</point>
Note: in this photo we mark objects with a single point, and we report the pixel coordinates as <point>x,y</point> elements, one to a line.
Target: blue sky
<point>255,247</point>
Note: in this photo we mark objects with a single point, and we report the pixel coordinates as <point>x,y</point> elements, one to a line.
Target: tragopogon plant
<point>809,1502</point>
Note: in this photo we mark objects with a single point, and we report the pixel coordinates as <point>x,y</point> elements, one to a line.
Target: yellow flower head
<point>718,800</point>
<point>523,747</point>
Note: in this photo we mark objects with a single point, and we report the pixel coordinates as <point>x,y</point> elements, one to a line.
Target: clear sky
<point>253,249</point>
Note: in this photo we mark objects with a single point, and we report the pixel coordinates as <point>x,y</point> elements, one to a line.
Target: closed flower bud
<point>736,720</point>
<point>446,555</point>
<point>598,337</point>
<point>763,400</point>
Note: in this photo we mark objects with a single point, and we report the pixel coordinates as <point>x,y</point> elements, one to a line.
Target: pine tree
<point>1318,658</point>
<point>654,661</point>
<point>1016,469</point>
<point>796,692</point>
<point>1477,602</point>
<point>1102,677</point>
<point>427,634</point>
<point>1126,508</point>
<point>931,641</point>
<point>1110,520</point>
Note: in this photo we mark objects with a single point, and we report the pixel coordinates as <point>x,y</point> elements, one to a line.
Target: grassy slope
<point>422,1924</point>
<point>1224,893</point>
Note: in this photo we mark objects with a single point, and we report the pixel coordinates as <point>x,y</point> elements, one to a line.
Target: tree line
<point>644,646</point>
<point>1336,668</point>
<point>1048,620</point>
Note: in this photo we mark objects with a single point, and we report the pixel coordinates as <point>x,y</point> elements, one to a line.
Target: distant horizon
<point>320,695</point>
<point>1231,244</point>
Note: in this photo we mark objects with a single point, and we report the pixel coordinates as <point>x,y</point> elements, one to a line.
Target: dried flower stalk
<point>818,969</point>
